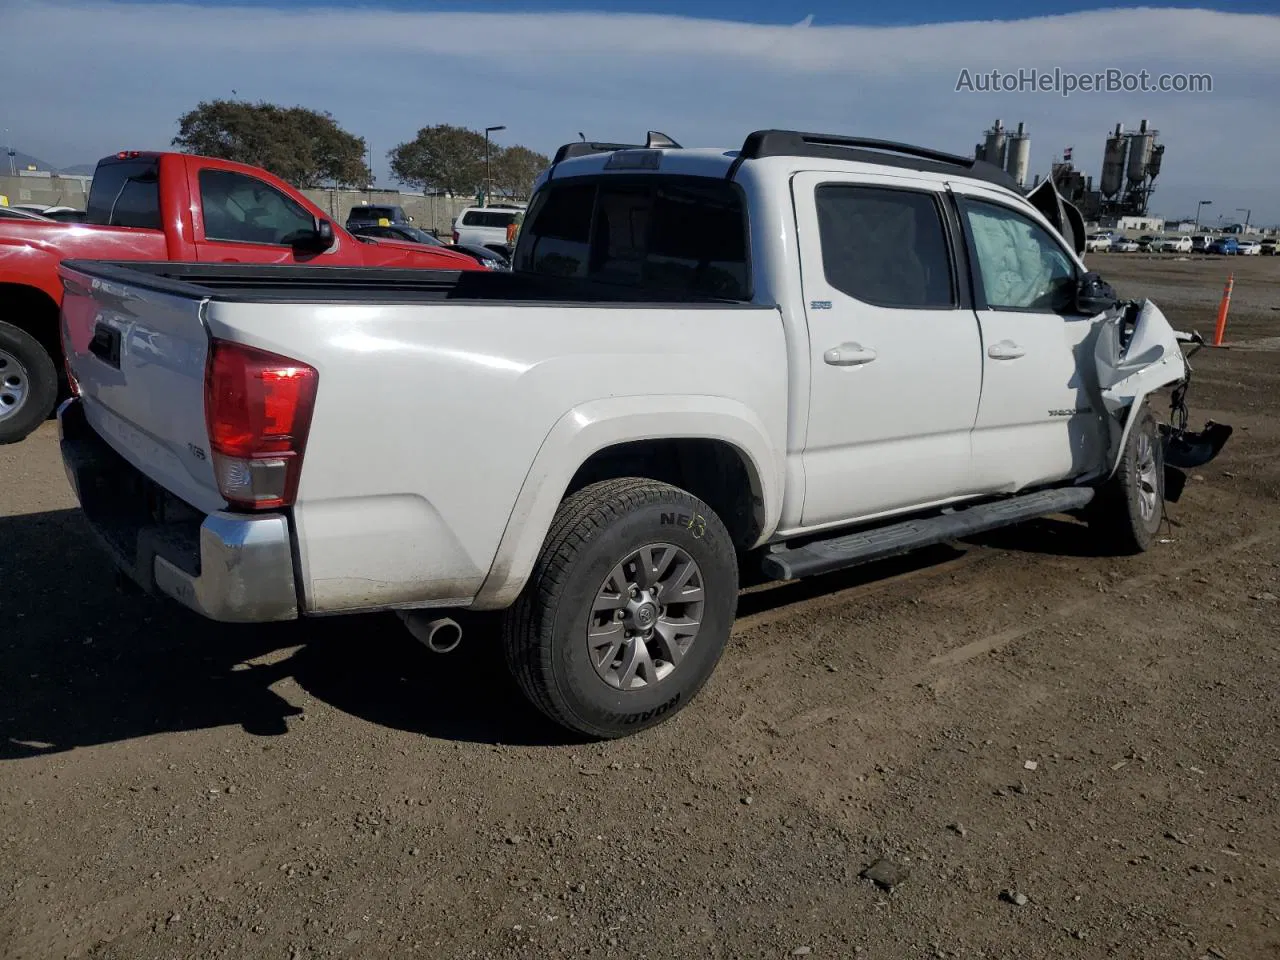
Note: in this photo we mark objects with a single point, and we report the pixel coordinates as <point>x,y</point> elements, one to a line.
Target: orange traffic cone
<point>1223,307</point>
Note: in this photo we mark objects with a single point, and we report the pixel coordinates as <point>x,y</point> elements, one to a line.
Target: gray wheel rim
<point>14,385</point>
<point>1148,479</point>
<point>646,617</point>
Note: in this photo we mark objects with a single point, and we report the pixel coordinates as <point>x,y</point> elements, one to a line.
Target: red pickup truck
<point>161,206</point>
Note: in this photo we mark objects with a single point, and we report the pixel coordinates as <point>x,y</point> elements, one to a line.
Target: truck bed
<point>261,283</point>
<point>452,409</point>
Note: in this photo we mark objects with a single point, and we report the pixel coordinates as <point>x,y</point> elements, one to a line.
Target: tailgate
<point>138,356</point>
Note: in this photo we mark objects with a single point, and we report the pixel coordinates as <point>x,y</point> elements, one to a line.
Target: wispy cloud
<point>110,75</point>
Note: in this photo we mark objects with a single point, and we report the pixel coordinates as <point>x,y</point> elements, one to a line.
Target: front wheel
<point>627,610</point>
<point>28,383</point>
<point>1125,515</point>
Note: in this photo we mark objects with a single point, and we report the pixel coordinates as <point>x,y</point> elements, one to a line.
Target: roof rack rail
<point>581,148</point>
<point>792,143</point>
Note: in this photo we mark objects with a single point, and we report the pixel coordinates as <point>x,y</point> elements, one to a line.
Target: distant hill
<point>22,161</point>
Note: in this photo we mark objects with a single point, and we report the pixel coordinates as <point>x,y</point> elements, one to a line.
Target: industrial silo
<point>1139,155</point>
<point>994,149</point>
<point>1113,163</point>
<point>1018,155</point>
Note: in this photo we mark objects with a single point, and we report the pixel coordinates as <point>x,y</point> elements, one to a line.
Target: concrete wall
<point>50,191</point>
<point>427,212</point>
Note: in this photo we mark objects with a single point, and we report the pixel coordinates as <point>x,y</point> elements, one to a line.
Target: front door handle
<point>848,355</point>
<point>1005,350</point>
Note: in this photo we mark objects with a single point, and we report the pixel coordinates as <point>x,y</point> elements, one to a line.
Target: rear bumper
<point>225,566</point>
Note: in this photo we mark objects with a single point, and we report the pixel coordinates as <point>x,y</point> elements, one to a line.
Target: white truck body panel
<point>484,401</point>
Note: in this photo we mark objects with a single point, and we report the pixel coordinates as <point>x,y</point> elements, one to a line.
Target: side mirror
<point>319,239</point>
<point>411,219</point>
<point>1094,295</point>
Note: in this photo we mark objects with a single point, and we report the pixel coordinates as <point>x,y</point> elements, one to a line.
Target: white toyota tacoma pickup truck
<point>781,360</point>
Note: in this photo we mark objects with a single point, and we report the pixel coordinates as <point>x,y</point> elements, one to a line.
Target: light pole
<point>487,131</point>
<point>1202,203</point>
<point>1247,214</point>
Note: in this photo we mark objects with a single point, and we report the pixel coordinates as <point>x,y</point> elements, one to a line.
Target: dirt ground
<point>1099,736</point>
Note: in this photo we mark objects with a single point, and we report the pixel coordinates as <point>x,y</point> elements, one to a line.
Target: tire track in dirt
<point>899,683</point>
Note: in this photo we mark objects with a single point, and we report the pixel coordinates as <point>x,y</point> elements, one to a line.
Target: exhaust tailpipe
<point>439,635</point>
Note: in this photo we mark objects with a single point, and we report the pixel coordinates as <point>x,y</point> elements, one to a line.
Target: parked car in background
<point>1270,247</point>
<point>603,442</point>
<point>1249,248</point>
<point>18,213</point>
<point>1201,241</point>
<point>1172,245</point>
<point>1225,246</point>
<point>1125,245</point>
<point>1098,243</point>
<point>375,213</point>
<point>161,206</point>
<point>62,214</point>
<point>65,214</point>
<point>485,226</point>
<point>406,233</point>
<point>1146,241</point>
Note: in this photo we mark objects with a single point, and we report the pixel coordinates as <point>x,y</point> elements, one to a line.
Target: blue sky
<point>825,12</point>
<point>706,72</point>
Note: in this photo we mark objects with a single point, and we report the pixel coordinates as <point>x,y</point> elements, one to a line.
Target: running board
<point>824,556</point>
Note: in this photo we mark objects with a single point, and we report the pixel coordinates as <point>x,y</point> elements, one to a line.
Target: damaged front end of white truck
<point>1136,354</point>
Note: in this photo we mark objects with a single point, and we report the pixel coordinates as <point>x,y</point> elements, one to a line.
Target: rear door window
<point>884,246</point>
<point>125,193</point>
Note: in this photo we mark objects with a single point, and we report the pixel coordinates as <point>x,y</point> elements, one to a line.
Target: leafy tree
<point>442,157</point>
<point>304,147</point>
<point>515,168</point>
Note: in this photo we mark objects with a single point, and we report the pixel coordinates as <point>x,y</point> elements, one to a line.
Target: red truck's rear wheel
<point>627,610</point>
<point>28,383</point>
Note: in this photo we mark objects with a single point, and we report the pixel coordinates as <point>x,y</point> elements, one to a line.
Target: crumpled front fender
<point>1137,353</point>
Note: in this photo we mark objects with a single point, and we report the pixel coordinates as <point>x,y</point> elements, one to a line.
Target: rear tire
<point>603,647</point>
<point>1126,514</point>
<point>28,384</point>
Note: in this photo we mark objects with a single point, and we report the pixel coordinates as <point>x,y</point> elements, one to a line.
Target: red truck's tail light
<point>258,409</point>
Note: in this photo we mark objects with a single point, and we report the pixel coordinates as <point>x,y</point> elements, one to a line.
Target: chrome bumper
<point>236,568</point>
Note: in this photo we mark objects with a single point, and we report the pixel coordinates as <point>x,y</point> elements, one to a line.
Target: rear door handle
<point>1005,350</point>
<point>848,355</point>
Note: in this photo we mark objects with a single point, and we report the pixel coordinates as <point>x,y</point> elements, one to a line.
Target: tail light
<point>64,335</point>
<point>258,409</point>
<point>456,236</point>
<point>72,382</point>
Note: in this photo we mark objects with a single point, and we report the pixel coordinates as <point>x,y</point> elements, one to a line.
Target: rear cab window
<point>676,236</point>
<point>126,193</point>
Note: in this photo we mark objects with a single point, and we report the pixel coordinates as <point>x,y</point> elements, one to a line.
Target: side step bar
<point>825,556</point>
